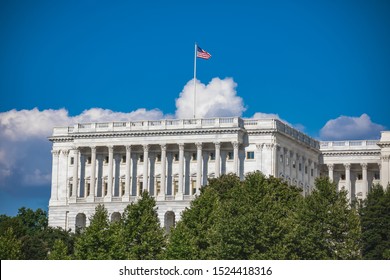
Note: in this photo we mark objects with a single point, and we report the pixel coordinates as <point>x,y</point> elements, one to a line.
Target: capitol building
<point>110,163</point>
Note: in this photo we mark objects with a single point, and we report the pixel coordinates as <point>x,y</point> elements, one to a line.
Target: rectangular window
<point>158,158</point>
<point>342,176</point>
<point>105,188</point>
<point>71,160</point>
<point>123,159</point>
<point>230,155</point>
<point>89,160</point>
<point>359,176</point>
<point>176,157</point>
<point>123,188</point>
<point>88,189</point>
<point>305,169</point>
<point>212,156</point>
<point>70,189</point>
<point>175,187</point>
<point>158,187</point>
<point>250,155</point>
<point>377,176</point>
<point>312,172</point>
<point>194,156</point>
<point>106,159</point>
<point>300,166</point>
<point>293,164</point>
<point>281,158</point>
<point>193,186</point>
<point>141,158</point>
<point>140,186</point>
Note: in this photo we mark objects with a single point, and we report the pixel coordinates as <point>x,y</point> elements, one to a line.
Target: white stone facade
<point>110,162</point>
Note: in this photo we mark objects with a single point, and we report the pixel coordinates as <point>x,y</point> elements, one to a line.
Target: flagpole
<point>195,81</point>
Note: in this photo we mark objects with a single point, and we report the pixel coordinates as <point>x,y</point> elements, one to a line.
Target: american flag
<point>202,53</point>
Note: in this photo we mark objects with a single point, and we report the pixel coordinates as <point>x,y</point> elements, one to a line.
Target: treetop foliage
<point>256,218</point>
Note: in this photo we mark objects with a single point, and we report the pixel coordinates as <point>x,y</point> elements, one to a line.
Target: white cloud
<point>216,99</point>
<point>351,128</point>
<point>260,115</point>
<point>24,149</point>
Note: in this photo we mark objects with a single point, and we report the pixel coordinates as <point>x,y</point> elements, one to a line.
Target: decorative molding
<point>350,153</point>
<point>56,152</point>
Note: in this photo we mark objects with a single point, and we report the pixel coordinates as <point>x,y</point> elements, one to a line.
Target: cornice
<point>384,144</point>
<point>350,153</point>
<point>122,134</point>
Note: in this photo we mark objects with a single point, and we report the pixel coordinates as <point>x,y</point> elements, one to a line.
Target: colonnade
<point>345,175</point>
<point>146,159</point>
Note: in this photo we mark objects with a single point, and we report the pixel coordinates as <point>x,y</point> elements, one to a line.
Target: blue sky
<point>322,66</point>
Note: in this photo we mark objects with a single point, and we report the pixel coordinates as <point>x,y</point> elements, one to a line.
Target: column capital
<point>55,152</point>
<point>146,147</point>
<point>128,148</point>
<point>198,145</point>
<point>110,148</point>
<point>65,152</point>
<point>181,146</point>
<point>270,146</point>
<point>364,165</point>
<point>330,166</point>
<point>235,144</point>
<point>75,149</point>
<point>163,147</point>
<point>347,166</point>
<point>259,146</point>
<point>93,148</point>
<point>217,144</point>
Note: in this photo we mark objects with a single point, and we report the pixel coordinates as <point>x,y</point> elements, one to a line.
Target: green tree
<point>237,220</point>
<point>139,234</point>
<point>59,251</point>
<point>10,246</point>
<point>329,228</point>
<point>255,219</point>
<point>375,220</point>
<point>190,239</point>
<point>95,242</point>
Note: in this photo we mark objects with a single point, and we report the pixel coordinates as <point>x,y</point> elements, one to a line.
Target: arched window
<point>115,217</point>
<point>169,221</point>
<point>81,221</point>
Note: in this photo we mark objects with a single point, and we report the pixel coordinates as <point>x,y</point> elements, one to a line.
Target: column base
<point>107,199</point>
<point>160,198</point>
<point>90,199</point>
<point>126,198</point>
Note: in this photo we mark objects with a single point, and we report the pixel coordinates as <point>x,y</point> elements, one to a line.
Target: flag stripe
<point>202,53</point>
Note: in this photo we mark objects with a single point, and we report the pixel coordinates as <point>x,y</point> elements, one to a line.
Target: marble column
<point>163,191</point>
<point>217,159</point>
<point>179,194</point>
<point>330,172</point>
<point>54,175</point>
<point>127,194</point>
<point>235,157</point>
<point>110,173</point>
<point>348,179</point>
<point>64,178</point>
<point>259,155</point>
<point>145,185</point>
<point>275,160</point>
<point>364,177</point>
<point>92,184</point>
<point>198,167</point>
<point>75,174</point>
